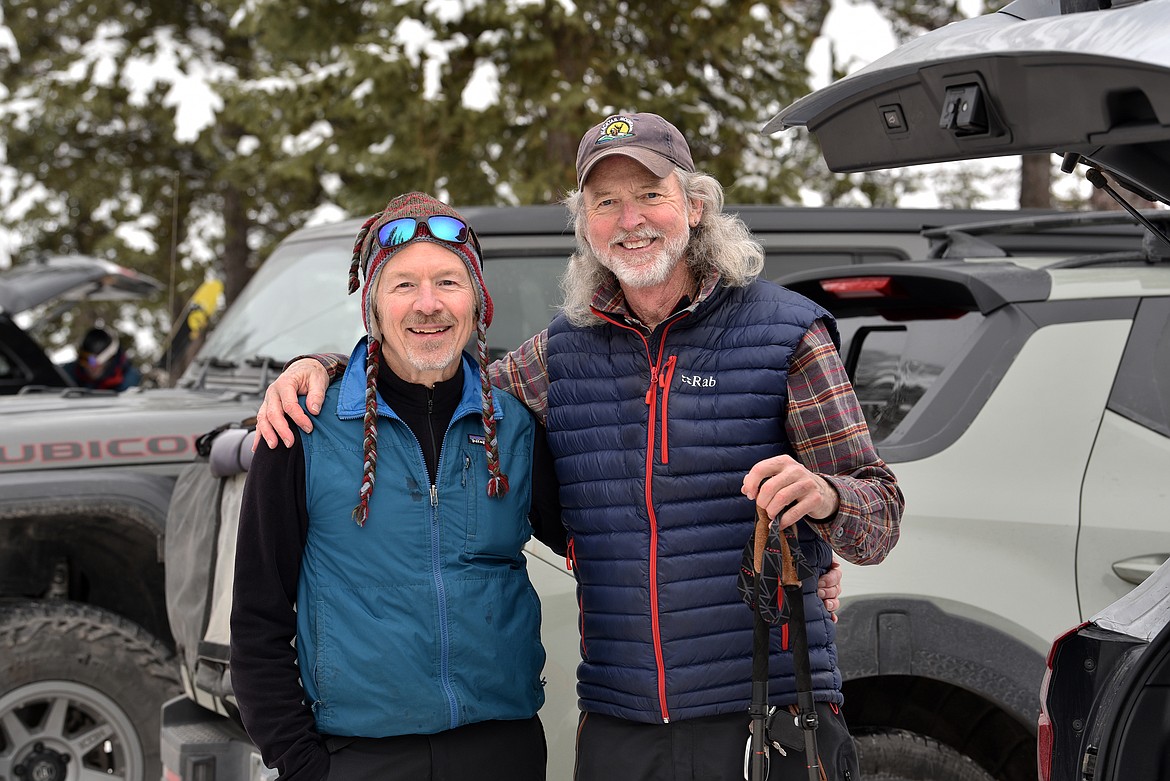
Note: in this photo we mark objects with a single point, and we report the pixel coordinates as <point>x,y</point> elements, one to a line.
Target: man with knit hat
<point>722,393</point>
<point>399,578</point>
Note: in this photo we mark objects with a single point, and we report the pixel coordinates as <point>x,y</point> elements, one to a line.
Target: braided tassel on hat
<point>369,434</point>
<point>368,260</point>
<point>498,481</point>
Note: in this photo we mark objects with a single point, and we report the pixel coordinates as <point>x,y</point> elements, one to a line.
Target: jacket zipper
<point>441,593</point>
<point>436,565</point>
<point>664,381</point>
<point>657,377</point>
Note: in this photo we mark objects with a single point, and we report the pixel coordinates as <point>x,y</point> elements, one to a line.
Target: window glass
<point>525,293</point>
<point>1142,390</point>
<point>8,369</point>
<point>894,364</point>
<point>296,304</point>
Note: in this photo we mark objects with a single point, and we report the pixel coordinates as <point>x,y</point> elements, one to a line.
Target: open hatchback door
<point>1068,77</point>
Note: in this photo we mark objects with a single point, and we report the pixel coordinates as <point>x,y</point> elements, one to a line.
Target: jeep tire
<point>80,686</point>
<point>898,755</point>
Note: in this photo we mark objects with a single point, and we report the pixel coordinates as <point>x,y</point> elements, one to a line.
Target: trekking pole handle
<point>760,543</point>
<point>788,573</point>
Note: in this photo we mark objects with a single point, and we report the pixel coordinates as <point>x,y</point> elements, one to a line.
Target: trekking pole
<point>791,560</point>
<point>760,634</point>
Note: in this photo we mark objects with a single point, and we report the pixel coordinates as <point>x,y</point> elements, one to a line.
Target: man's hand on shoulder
<point>303,377</point>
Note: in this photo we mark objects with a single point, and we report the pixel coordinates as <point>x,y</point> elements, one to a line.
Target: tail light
<point>859,287</point>
<point>1044,732</point>
<point>1045,735</point>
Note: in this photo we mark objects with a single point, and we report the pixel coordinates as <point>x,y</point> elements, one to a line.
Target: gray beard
<point>648,274</point>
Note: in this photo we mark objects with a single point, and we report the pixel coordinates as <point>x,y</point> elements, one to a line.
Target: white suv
<point>1025,407</point>
<point>1024,404</point>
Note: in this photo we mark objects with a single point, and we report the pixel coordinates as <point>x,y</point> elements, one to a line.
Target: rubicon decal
<point>167,447</point>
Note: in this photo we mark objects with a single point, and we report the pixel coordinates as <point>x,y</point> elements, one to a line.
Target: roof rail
<point>1046,222</point>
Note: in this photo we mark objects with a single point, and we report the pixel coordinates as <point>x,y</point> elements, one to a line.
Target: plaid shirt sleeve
<point>334,363</point>
<point>828,431</point>
<point>524,373</point>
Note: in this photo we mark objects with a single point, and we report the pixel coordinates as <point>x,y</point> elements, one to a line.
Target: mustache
<point>428,322</point>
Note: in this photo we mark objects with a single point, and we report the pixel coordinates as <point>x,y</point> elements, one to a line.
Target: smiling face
<point>637,224</point>
<point>425,309</point>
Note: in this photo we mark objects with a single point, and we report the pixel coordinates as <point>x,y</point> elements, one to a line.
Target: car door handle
<point>1138,568</point>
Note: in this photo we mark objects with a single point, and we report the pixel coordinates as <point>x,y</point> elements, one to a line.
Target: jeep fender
<point>94,536</point>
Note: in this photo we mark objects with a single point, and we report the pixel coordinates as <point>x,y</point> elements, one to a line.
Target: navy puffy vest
<point>652,438</point>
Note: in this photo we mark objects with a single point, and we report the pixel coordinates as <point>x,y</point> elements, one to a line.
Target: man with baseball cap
<point>713,382</point>
<point>400,579</point>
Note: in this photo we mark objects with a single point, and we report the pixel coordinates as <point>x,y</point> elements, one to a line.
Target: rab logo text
<point>695,381</point>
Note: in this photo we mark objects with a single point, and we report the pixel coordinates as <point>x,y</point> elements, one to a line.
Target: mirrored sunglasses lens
<point>447,229</point>
<point>397,232</point>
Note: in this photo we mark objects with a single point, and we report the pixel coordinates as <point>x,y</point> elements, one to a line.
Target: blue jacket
<point>652,438</point>
<point>424,619</point>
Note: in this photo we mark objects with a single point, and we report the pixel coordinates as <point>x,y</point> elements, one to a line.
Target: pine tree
<point>333,106</point>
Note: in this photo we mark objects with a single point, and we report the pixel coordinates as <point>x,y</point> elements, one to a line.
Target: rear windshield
<point>893,364</point>
<point>901,335</point>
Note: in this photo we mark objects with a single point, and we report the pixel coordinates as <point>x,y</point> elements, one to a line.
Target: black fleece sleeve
<point>545,514</point>
<point>265,678</point>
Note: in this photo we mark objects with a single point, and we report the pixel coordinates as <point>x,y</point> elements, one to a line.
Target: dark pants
<point>488,751</point>
<point>706,749</point>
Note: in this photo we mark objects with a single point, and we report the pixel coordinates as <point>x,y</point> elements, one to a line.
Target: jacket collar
<point>611,300</point>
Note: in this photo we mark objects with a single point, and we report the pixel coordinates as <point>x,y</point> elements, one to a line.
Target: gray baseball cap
<point>646,138</point>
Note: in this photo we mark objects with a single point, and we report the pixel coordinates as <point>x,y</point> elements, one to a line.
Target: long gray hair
<point>719,243</point>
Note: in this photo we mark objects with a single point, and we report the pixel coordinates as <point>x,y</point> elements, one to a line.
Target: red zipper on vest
<point>664,381</point>
<point>571,564</point>
<point>659,377</point>
<point>652,400</point>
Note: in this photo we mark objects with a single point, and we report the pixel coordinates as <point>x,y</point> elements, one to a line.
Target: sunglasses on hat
<point>448,229</point>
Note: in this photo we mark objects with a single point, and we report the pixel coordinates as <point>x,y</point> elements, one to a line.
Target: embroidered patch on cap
<point>615,128</point>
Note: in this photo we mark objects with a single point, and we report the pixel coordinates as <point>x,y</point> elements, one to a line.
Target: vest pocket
<point>497,528</point>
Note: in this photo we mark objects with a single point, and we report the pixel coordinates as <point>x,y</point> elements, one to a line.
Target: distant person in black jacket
<point>102,362</point>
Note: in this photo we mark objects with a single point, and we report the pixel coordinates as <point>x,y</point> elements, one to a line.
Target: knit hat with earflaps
<point>369,258</point>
